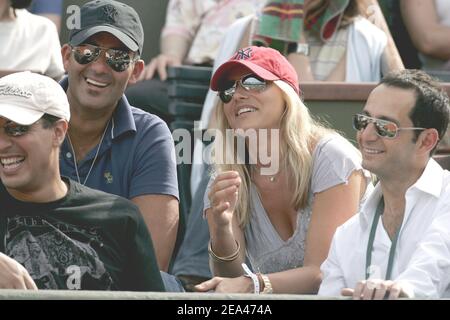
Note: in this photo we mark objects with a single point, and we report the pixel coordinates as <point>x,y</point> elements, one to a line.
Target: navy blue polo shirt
<point>136,156</point>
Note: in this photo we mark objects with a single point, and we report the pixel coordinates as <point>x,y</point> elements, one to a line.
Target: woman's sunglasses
<point>118,60</point>
<point>249,82</point>
<point>383,128</point>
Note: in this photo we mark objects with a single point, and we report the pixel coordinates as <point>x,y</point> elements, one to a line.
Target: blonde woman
<point>281,222</point>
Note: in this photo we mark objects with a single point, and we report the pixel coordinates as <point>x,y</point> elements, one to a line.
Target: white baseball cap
<point>25,97</point>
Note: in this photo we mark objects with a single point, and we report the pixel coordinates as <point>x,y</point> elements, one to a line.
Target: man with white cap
<point>112,146</point>
<point>56,233</point>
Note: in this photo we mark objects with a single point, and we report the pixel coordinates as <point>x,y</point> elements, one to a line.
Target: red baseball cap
<point>267,63</point>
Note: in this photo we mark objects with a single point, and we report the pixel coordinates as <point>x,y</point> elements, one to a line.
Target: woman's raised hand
<point>223,197</point>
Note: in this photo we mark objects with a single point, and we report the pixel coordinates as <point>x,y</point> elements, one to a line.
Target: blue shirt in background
<point>46,6</point>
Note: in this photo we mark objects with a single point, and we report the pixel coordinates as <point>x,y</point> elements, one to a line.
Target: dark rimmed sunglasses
<point>383,128</point>
<point>249,82</point>
<point>117,59</point>
<point>13,129</point>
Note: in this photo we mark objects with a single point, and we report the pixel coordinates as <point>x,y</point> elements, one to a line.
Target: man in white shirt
<point>408,254</point>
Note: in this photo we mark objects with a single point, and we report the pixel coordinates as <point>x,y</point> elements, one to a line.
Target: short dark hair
<point>431,109</point>
<point>20,4</point>
<point>48,120</point>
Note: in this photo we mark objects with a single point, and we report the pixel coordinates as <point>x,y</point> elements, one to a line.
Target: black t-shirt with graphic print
<point>88,240</point>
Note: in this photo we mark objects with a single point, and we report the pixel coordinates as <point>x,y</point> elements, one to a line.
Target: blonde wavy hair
<point>299,134</point>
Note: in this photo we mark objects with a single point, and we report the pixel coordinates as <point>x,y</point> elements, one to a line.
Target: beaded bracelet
<point>229,258</point>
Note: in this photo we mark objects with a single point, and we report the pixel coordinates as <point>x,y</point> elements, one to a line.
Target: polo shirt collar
<point>122,119</point>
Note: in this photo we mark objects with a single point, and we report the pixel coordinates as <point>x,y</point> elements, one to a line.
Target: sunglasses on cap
<point>383,128</point>
<point>249,82</point>
<point>117,59</point>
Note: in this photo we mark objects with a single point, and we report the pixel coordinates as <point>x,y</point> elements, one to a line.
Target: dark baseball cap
<point>114,17</point>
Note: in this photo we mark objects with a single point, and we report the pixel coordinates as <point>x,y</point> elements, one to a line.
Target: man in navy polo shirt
<point>110,145</point>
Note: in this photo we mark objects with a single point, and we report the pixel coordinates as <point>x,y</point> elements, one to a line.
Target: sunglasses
<point>249,82</point>
<point>117,59</point>
<point>383,128</point>
<point>13,129</point>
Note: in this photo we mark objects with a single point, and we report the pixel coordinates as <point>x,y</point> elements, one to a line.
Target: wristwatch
<point>302,48</point>
<point>267,284</point>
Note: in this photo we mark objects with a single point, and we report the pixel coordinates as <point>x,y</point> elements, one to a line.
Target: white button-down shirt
<point>422,255</point>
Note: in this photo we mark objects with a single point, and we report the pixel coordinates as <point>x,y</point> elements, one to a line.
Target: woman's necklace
<point>95,157</point>
<point>272,178</point>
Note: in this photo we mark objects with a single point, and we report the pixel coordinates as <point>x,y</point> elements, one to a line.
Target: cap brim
<point>83,35</point>
<point>220,78</point>
<point>20,115</point>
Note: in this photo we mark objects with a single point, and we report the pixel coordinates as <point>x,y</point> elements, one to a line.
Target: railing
<point>342,91</point>
<point>7,294</point>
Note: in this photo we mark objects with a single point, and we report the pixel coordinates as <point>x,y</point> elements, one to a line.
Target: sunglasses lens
<point>251,82</point>
<point>359,122</point>
<point>386,129</point>
<point>227,95</point>
<point>118,60</point>
<point>85,54</point>
<point>15,130</point>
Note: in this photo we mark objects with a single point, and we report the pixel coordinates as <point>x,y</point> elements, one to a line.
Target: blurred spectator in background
<point>51,9</point>
<point>372,10</point>
<point>428,24</point>
<point>29,42</point>
<point>191,35</point>
<point>337,43</point>
<point>400,35</point>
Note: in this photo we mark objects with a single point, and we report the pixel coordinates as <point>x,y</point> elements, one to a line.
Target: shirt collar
<point>431,179</point>
<point>430,182</point>
<point>122,120</point>
<point>367,210</point>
